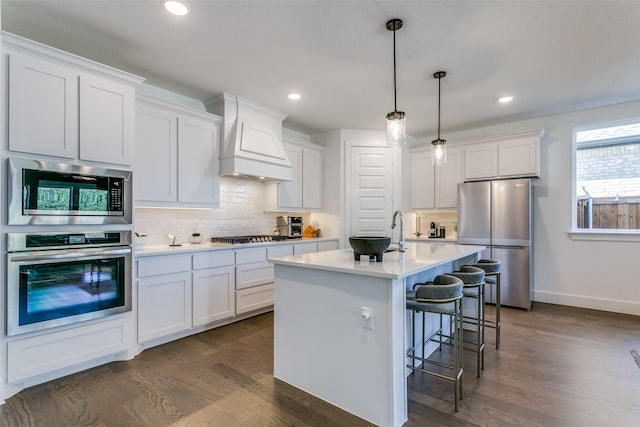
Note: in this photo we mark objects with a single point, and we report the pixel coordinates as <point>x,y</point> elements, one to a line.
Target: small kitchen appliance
<point>51,193</point>
<point>290,226</point>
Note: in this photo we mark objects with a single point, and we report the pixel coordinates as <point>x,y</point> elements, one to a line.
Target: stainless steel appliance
<point>498,214</point>
<point>234,240</point>
<point>43,192</point>
<point>290,226</point>
<point>56,279</point>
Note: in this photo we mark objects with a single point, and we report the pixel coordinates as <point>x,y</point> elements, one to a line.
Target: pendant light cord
<point>395,96</point>
<point>439,84</point>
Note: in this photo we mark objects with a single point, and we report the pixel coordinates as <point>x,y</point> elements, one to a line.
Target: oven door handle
<point>67,255</point>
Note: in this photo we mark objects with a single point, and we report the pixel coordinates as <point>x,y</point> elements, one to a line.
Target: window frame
<point>598,234</point>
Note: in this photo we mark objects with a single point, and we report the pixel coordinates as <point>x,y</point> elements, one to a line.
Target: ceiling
<point>552,56</point>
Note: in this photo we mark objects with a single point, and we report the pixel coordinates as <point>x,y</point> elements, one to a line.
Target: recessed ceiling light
<point>505,99</point>
<point>294,96</point>
<point>179,8</point>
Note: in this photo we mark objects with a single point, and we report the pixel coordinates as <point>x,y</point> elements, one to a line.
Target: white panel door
<point>43,107</point>
<point>311,179</point>
<point>107,111</point>
<point>422,176</point>
<point>155,156</point>
<point>198,161</point>
<point>213,295</point>
<point>371,191</point>
<point>290,193</point>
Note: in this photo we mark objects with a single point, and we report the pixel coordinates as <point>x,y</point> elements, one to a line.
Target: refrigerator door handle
<point>508,247</point>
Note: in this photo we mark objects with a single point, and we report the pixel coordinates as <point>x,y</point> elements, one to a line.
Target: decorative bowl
<point>369,245</point>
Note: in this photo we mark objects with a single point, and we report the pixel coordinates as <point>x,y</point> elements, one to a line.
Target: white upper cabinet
<point>507,156</point>
<point>43,107</point>
<point>435,187</point>
<point>198,144</point>
<point>304,191</point>
<point>107,114</point>
<point>176,155</point>
<point>65,106</point>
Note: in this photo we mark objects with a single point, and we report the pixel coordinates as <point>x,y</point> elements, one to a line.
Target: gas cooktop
<point>247,239</point>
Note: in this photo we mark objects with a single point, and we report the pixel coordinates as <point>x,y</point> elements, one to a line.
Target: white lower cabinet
<point>44,354</point>
<point>213,287</point>
<point>305,248</point>
<point>328,245</point>
<point>254,280</point>
<point>164,305</point>
<point>213,297</point>
<point>180,292</point>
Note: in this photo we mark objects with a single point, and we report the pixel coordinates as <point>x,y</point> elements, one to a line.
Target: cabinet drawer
<point>29,357</point>
<point>330,245</point>
<point>154,266</point>
<point>254,274</point>
<point>254,298</point>
<point>305,248</point>
<point>279,250</point>
<point>212,259</point>
<point>246,256</point>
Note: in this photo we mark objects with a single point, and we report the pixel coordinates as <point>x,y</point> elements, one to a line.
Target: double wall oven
<point>76,265</point>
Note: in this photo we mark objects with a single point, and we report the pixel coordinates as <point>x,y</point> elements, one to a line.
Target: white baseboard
<point>616,306</point>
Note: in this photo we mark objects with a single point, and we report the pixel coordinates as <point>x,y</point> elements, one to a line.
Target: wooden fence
<point>608,214</point>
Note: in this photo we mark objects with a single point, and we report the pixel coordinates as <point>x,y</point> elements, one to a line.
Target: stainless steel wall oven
<point>44,192</point>
<point>61,278</point>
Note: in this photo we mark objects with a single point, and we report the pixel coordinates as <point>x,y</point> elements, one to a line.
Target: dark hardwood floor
<point>557,366</point>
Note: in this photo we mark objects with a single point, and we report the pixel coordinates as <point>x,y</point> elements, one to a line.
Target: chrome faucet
<point>393,225</point>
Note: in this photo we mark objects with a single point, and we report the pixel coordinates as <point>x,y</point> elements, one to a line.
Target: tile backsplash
<point>449,220</point>
<point>241,212</point>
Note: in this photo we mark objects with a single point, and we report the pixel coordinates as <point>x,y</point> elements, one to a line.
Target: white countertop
<point>188,247</point>
<point>394,265</point>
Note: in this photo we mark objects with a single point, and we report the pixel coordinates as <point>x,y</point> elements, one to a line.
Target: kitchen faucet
<point>393,225</point>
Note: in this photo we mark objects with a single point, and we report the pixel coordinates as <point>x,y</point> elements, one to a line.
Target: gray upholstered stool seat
<point>491,268</point>
<point>473,279</point>
<point>443,296</point>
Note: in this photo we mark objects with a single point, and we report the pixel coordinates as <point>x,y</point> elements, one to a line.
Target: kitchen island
<point>340,328</point>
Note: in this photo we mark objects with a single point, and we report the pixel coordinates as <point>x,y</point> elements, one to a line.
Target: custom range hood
<point>252,139</point>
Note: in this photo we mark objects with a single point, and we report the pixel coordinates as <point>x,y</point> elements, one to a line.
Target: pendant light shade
<point>396,123</point>
<point>438,146</point>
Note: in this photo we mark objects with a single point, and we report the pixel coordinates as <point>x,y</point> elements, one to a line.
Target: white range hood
<point>252,139</point>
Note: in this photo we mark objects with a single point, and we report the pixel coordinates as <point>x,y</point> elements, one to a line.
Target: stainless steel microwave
<point>44,192</point>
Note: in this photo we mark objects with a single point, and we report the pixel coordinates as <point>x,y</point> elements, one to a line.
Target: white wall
<point>592,274</point>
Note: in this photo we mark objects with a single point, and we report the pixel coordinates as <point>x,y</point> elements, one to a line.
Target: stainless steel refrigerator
<point>498,215</point>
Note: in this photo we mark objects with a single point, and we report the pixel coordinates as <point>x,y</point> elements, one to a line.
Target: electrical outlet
<point>366,317</point>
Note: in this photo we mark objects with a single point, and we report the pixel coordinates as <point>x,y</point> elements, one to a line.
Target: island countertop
<point>394,265</point>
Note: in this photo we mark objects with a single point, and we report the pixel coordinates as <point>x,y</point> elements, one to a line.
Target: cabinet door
<point>198,142</point>
<point>328,245</point>
<point>290,193</point>
<point>213,295</point>
<point>447,178</point>
<point>480,161</point>
<point>422,180</point>
<point>155,155</point>
<point>107,114</point>
<point>311,179</point>
<point>518,157</point>
<point>305,248</point>
<point>43,107</point>
<point>164,305</point>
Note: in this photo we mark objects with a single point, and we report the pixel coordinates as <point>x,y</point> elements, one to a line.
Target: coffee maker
<point>290,226</point>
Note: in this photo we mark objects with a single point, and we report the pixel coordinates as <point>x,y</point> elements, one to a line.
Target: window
<point>607,176</point>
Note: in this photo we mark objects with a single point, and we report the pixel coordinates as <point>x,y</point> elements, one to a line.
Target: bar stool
<point>473,279</point>
<point>443,296</point>
<point>491,268</point>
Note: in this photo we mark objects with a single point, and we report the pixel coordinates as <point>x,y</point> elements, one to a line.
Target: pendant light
<point>396,125</point>
<point>438,147</point>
